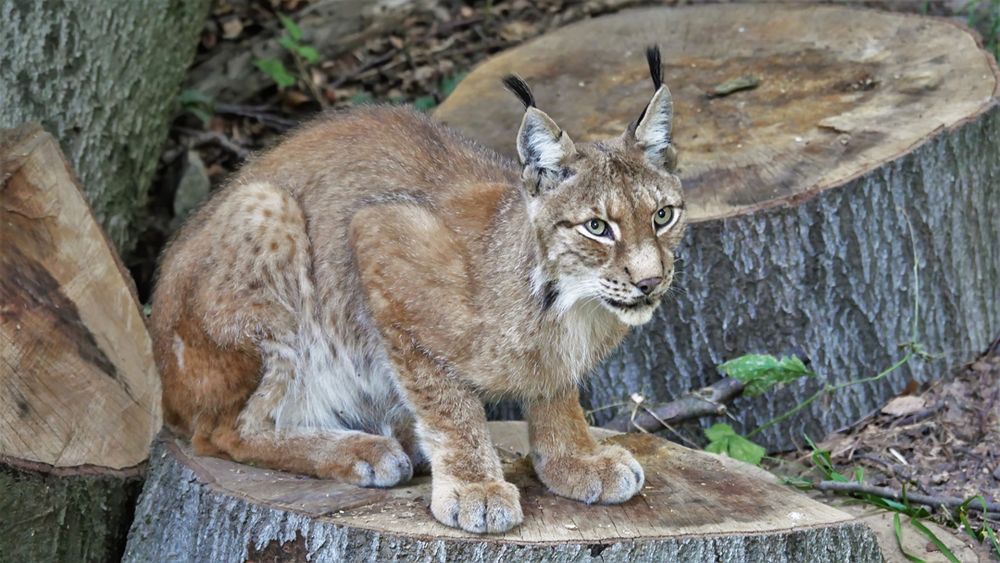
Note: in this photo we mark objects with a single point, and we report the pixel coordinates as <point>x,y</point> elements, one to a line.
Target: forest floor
<point>939,440</point>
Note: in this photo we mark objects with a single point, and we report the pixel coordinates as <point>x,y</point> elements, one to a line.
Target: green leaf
<point>203,116</point>
<point>761,372</point>
<point>967,526</point>
<point>307,53</point>
<point>293,29</point>
<point>993,539</point>
<point>276,70</point>
<point>894,505</point>
<point>719,431</point>
<point>288,43</point>
<point>859,475</point>
<point>723,439</point>
<point>934,539</point>
<point>899,540</point>
<point>194,97</point>
<point>449,83</point>
<point>424,103</point>
<point>362,98</point>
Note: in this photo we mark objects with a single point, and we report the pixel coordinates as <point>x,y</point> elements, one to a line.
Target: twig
<point>259,113</point>
<point>704,402</point>
<point>885,492</point>
<point>199,138</point>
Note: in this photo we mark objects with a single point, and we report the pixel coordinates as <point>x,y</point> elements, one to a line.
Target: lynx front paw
<point>487,507</point>
<point>369,461</point>
<point>609,476</point>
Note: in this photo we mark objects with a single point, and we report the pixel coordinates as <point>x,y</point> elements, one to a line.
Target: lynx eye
<point>598,228</point>
<point>664,217</point>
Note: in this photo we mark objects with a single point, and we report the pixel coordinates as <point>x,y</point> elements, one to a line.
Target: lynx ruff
<point>344,306</point>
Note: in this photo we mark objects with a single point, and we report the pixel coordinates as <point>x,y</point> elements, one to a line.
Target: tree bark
<point>79,394</point>
<point>695,507</point>
<point>855,185</point>
<point>102,77</point>
<point>75,515</point>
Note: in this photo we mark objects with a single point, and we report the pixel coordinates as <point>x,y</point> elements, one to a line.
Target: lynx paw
<point>370,461</point>
<point>609,476</point>
<point>488,507</point>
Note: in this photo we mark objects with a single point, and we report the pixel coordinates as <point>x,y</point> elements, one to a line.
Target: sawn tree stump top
<point>688,494</point>
<point>840,91</point>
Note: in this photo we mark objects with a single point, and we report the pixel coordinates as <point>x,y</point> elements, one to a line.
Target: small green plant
<point>984,15</point>
<point>302,54</point>
<point>445,88</point>
<point>959,518</point>
<point>761,372</point>
<point>198,104</point>
<point>723,439</point>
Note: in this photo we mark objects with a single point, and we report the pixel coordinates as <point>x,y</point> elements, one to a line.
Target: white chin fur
<point>634,317</point>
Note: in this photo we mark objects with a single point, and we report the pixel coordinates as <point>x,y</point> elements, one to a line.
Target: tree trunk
<point>695,507</point>
<point>79,394</point>
<point>848,200</point>
<point>102,77</point>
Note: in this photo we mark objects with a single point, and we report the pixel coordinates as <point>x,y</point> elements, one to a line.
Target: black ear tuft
<point>519,88</point>
<point>655,67</point>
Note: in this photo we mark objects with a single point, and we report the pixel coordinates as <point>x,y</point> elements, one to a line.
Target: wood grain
<point>840,91</point>
<point>77,381</point>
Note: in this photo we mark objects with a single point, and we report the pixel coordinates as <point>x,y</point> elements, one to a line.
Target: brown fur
<point>343,306</point>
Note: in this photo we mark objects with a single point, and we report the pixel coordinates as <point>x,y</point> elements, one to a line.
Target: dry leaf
<point>903,406</point>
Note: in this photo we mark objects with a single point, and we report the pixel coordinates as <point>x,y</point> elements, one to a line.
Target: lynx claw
<point>490,507</point>
<point>609,476</point>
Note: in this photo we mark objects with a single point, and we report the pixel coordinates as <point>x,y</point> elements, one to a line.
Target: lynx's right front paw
<point>487,507</point>
<point>609,476</point>
<point>367,460</point>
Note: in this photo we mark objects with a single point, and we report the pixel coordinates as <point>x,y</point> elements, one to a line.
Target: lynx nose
<point>647,285</point>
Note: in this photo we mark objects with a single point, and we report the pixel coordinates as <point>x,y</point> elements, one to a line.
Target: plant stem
<point>831,389</point>
<point>307,78</point>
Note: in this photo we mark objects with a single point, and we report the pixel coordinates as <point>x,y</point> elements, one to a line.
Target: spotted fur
<point>345,304</point>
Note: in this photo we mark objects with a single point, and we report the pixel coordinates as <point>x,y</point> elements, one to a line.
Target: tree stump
<point>862,156</point>
<point>695,507</point>
<point>79,394</point>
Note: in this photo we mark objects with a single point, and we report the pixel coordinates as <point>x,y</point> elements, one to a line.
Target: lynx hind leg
<point>261,286</point>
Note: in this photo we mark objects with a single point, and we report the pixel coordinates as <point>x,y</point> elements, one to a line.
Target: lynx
<point>346,304</point>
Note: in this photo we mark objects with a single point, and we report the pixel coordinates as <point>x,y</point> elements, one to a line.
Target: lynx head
<point>608,214</point>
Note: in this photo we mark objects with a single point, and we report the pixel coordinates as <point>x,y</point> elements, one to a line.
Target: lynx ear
<point>653,131</point>
<point>542,146</point>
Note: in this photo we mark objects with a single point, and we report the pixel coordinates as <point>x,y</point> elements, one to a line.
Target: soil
<point>940,440</point>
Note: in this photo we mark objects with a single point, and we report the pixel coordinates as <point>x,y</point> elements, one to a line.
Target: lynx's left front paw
<point>608,476</point>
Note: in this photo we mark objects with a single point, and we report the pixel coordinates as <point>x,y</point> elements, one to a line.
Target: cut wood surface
<point>695,506</point>
<point>79,395</point>
<point>869,147</point>
<point>77,380</point>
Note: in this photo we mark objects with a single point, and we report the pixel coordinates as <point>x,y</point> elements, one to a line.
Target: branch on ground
<point>707,401</point>
<point>885,492</point>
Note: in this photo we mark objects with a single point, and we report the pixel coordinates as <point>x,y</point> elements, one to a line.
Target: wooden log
<point>869,148</point>
<point>79,394</point>
<point>695,507</point>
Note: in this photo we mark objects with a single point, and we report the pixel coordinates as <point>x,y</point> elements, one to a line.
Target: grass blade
<point>899,540</point>
<point>993,539</point>
<point>934,539</point>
